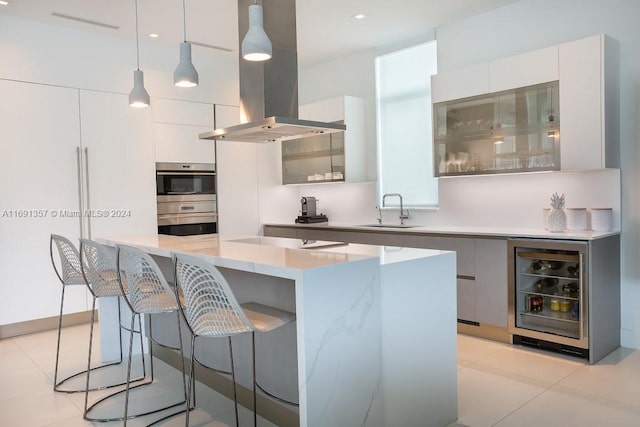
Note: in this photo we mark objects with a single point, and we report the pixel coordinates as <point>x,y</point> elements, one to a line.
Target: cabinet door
<point>38,138</point>
<point>120,164</point>
<point>182,112</point>
<point>491,281</point>
<point>460,83</point>
<point>527,69</point>
<point>581,104</point>
<point>466,299</point>
<point>180,143</point>
<point>226,115</point>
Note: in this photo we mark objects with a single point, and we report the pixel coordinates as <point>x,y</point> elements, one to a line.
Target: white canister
<point>545,214</point>
<point>576,219</point>
<point>601,219</point>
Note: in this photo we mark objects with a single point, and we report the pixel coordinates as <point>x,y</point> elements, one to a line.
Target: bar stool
<point>148,293</point>
<point>99,270</point>
<point>211,310</point>
<point>70,274</point>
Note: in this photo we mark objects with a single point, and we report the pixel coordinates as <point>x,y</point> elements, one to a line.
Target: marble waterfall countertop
<point>375,330</point>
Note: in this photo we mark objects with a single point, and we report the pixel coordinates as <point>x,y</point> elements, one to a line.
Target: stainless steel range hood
<point>269,90</point>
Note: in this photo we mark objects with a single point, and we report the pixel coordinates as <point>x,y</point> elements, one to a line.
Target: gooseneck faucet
<point>403,215</point>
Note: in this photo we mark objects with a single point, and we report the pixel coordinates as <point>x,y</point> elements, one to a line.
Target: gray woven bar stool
<point>98,267</point>
<point>211,310</point>
<point>70,274</point>
<point>148,293</point>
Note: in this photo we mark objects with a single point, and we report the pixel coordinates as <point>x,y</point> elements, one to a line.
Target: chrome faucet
<point>379,214</point>
<point>403,215</point>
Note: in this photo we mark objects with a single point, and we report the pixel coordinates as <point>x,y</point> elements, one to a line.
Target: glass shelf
<point>504,132</point>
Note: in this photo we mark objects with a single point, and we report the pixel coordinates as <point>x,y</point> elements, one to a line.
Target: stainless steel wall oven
<point>187,202</point>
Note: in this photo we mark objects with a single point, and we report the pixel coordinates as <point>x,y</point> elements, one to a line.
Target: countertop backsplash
<point>514,200</point>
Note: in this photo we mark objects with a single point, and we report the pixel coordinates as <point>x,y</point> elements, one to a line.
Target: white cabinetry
<point>588,104</point>
<point>119,165</point>
<point>177,125</point>
<point>67,152</point>
<point>527,69</point>
<point>587,71</point>
<point>38,137</point>
<point>460,83</point>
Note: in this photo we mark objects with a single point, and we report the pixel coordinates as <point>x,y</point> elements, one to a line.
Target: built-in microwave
<point>186,197</point>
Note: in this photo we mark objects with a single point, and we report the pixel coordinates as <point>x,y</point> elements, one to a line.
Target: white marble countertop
<point>458,230</point>
<point>268,255</point>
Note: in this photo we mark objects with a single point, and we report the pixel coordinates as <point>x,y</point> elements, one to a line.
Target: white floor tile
<point>498,385</point>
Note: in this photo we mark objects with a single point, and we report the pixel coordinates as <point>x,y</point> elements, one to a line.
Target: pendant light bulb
<point>138,97</point>
<point>185,74</point>
<point>256,45</point>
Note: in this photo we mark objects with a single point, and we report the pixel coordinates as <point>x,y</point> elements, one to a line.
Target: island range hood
<point>269,89</point>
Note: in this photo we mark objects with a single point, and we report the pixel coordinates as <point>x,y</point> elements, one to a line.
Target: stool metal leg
<point>253,370</point>
<point>233,378</point>
<point>55,374</point>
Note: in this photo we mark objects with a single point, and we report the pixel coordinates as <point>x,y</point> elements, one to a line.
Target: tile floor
<point>498,385</point>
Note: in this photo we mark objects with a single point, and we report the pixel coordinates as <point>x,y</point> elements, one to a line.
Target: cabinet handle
<point>583,312</point>
<point>80,201</point>
<point>86,177</point>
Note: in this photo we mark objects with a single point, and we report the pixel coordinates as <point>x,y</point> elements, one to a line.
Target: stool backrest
<point>210,308</point>
<point>99,268</point>
<point>148,290</point>
<point>71,273</point>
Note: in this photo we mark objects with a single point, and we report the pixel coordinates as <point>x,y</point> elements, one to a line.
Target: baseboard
<point>490,332</point>
<point>267,408</point>
<point>44,324</point>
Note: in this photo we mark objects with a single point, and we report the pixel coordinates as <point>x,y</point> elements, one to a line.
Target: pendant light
<point>138,97</point>
<point>256,45</point>
<point>185,74</point>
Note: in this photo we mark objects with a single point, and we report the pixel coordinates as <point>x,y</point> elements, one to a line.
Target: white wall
<point>43,53</point>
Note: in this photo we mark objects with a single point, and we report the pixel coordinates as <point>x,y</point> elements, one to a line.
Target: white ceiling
<point>326,28</point>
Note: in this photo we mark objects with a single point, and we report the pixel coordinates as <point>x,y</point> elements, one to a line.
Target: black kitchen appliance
<point>308,210</point>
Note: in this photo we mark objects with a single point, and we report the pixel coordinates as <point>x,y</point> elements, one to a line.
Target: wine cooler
<point>552,295</point>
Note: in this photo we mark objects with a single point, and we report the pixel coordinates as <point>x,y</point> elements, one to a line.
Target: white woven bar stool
<point>70,274</point>
<point>99,269</point>
<point>148,293</point>
<point>211,310</point>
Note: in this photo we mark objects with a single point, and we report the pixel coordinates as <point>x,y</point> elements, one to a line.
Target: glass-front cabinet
<point>314,159</point>
<point>516,130</point>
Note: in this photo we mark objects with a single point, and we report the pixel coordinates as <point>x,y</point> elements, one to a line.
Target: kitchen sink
<point>389,225</point>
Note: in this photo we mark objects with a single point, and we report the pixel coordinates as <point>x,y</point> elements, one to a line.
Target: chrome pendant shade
<point>139,97</point>
<point>256,45</point>
<point>185,74</point>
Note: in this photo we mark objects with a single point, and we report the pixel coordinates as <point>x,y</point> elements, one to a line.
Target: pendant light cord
<point>137,45</point>
<point>184,20</point>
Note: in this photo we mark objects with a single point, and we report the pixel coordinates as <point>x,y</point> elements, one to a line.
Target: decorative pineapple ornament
<point>556,218</point>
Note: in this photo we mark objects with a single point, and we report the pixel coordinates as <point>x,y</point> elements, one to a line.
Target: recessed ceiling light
<point>3,3</point>
<point>359,16</point>
<point>154,35</point>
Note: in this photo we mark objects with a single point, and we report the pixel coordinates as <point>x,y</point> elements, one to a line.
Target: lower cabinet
<point>481,265</point>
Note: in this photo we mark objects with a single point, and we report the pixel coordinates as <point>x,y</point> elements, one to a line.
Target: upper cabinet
<point>589,93</point>
<point>550,109</point>
<point>337,157</point>
<point>177,125</point>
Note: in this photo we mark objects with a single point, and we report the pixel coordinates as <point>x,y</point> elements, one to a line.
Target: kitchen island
<point>375,331</point>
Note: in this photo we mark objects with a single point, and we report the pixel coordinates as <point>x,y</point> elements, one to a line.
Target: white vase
<point>556,220</point>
